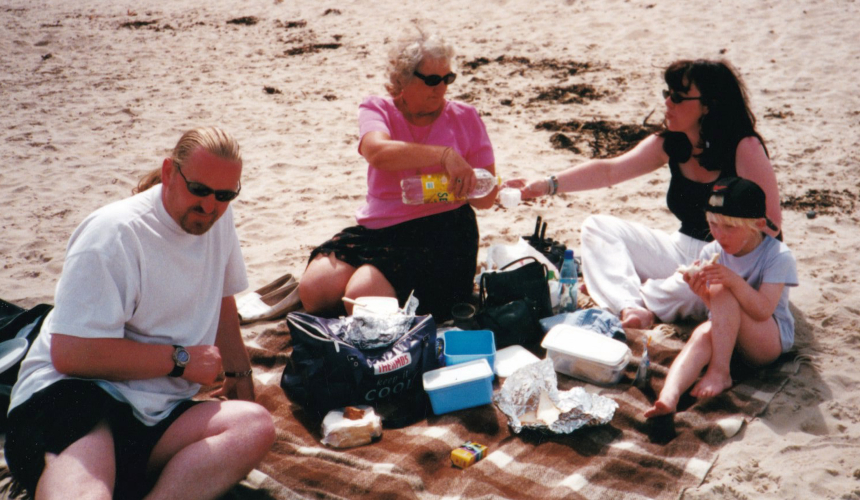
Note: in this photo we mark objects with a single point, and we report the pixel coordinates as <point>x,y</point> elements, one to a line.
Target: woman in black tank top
<point>709,133</point>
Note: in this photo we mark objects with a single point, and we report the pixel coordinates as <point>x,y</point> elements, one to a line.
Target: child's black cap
<point>738,197</point>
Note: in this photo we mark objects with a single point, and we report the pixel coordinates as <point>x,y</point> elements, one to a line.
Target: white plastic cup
<point>510,197</point>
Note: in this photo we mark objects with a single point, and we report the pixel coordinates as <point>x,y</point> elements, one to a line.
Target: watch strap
<point>177,371</point>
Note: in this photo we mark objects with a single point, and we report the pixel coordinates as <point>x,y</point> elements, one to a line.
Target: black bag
<point>512,302</point>
<point>551,249</point>
<point>18,328</point>
<point>326,373</point>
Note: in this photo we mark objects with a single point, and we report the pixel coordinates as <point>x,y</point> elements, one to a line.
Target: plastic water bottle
<point>433,188</point>
<point>567,300</point>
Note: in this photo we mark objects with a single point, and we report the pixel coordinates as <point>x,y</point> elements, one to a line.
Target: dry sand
<point>94,93</point>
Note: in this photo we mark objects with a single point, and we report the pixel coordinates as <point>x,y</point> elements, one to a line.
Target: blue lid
<point>568,254</point>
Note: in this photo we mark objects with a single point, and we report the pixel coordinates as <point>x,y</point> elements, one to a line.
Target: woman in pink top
<point>396,249</point>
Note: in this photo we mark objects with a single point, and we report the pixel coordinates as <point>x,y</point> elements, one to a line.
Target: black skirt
<point>436,256</point>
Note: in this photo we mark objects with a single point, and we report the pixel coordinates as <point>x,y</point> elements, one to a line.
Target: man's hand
<point>236,388</point>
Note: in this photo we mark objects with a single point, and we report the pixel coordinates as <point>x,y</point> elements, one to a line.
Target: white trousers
<point>626,264</point>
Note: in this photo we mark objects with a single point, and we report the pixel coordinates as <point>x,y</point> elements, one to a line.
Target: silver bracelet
<point>246,373</point>
<point>552,185</point>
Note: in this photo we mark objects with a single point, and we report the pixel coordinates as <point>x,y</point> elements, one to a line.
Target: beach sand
<point>95,93</point>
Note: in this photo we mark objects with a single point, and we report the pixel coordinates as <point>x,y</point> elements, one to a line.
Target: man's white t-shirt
<point>132,272</point>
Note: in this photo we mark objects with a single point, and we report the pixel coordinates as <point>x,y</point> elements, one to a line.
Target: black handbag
<point>327,373</point>
<point>513,301</point>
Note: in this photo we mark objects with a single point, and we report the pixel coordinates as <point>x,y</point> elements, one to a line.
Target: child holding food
<point>745,290</point>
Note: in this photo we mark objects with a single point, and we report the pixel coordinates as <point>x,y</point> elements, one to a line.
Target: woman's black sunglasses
<point>202,190</point>
<point>678,98</point>
<point>433,80</point>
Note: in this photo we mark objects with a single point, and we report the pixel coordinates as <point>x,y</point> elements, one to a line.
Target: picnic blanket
<point>629,458</point>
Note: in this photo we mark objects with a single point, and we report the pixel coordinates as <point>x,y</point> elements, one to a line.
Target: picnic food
<point>694,269</point>
<point>546,412</point>
<point>351,426</point>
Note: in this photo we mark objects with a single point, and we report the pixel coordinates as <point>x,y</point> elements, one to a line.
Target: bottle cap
<point>568,254</point>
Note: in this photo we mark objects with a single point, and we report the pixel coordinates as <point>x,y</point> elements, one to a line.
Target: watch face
<point>181,356</point>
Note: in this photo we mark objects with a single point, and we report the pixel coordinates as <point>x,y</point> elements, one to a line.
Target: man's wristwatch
<point>180,359</point>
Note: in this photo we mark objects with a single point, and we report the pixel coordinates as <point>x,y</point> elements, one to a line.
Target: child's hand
<point>718,274</point>
<point>698,284</point>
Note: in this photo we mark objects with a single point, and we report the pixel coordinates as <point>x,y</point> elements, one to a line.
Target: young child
<point>746,292</point>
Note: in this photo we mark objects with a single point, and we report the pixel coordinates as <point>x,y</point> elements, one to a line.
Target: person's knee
<point>255,426</point>
<point>597,222</point>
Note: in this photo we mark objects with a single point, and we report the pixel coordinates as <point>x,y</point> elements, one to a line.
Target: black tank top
<point>687,199</point>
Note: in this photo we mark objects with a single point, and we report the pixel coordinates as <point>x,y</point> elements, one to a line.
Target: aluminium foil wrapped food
<point>530,399</point>
<point>374,331</point>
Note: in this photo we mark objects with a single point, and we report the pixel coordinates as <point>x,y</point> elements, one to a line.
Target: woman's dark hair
<point>729,118</point>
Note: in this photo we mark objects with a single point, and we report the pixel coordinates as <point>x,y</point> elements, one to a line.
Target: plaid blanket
<point>630,458</point>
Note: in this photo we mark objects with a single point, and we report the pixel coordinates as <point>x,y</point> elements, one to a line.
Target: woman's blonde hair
<point>728,220</point>
<point>405,57</point>
<point>212,139</point>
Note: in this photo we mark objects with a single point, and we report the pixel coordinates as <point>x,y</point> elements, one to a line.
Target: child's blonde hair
<point>752,224</point>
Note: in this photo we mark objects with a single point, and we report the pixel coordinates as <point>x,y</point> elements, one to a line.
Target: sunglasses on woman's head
<point>433,80</point>
<point>202,190</point>
<point>678,98</point>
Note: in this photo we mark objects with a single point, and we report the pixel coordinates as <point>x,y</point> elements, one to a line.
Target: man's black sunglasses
<point>433,80</point>
<point>202,190</point>
<point>678,98</point>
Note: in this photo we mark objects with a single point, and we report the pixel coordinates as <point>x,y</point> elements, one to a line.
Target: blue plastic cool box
<point>459,386</point>
<point>468,345</point>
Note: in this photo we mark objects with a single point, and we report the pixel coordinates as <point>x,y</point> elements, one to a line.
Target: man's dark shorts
<point>57,416</point>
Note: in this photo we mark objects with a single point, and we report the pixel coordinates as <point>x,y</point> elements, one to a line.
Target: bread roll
<point>341,431</point>
<point>694,269</point>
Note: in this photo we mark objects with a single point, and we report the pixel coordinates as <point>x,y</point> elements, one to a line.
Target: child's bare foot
<point>711,384</point>
<point>659,409</point>
<point>637,317</point>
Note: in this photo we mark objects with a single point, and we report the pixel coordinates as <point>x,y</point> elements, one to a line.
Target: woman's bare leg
<point>323,285</point>
<point>368,281</point>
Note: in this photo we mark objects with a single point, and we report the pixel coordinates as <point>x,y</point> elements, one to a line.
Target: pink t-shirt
<point>459,126</point>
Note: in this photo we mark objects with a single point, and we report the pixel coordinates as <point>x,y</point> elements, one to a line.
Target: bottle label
<point>435,189</point>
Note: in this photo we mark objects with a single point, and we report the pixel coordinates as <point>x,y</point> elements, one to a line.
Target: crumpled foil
<point>375,331</point>
<point>521,391</point>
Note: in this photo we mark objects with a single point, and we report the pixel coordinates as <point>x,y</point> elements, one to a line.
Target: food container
<point>511,359</point>
<point>378,306</point>
<point>468,345</point>
<point>585,354</point>
<point>459,386</point>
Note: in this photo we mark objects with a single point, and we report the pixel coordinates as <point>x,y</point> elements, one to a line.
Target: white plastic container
<point>511,359</point>
<point>585,354</point>
<point>375,306</point>
<point>459,386</point>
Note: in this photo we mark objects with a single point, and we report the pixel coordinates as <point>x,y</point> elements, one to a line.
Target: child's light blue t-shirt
<point>770,262</point>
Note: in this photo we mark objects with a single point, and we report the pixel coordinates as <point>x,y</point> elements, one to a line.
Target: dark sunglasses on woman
<point>678,98</point>
<point>433,80</point>
<point>202,190</point>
